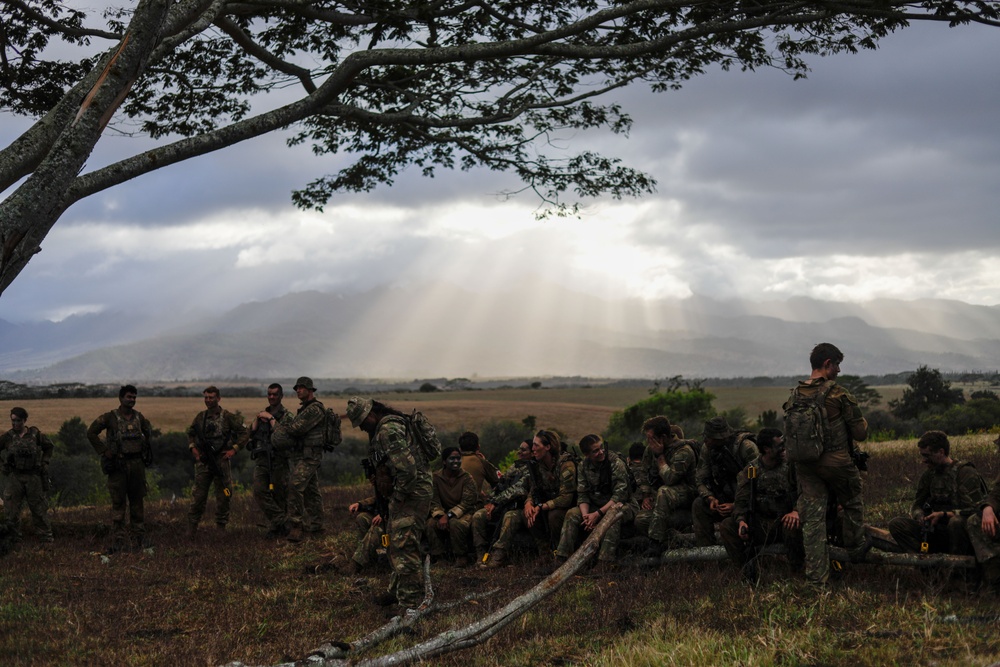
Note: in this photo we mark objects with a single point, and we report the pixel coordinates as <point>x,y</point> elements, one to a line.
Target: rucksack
<point>331,430</point>
<point>424,435</point>
<point>806,425</point>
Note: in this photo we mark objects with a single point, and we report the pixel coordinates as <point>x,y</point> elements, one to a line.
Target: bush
<point>688,408</point>
<point>977,415</point>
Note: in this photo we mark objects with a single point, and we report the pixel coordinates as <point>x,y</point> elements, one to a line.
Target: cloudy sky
<point>875,177</point>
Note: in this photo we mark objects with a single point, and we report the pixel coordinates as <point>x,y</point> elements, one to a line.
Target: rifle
<point>926,529</point>
<point>381,506</point>
<point>750,572</point>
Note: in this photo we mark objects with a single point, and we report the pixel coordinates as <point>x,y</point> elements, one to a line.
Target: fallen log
<point>877,556</point>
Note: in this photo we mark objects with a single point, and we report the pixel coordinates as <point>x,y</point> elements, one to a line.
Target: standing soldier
<point>270,472</point>
<point>724,454</point>
<point>391,446</point>
<point>214,437</point>
<point>26,452</point>
<point>668,467</point>
<point>125,453</point>
<point>822,421</point>
<point>305,505</point>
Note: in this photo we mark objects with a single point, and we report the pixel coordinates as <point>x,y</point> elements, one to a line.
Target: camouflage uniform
<point>553,490</point>
<point>599,483</point>
<point>305,505</point>
<point>214,435</point>
<point>834,474</point>
<point>128,439</point>
<point>987,549</point>
<point>25,464</point>
<point>718,467</point>
<point>775,492</point>
<point>456,498</point>
<point>956,488</point>
<point>677,489</point>
<point>409,505</point>
<point>507,496</point>
<point>370,533</point>
<point>482,471</point>
<point>270,474</point>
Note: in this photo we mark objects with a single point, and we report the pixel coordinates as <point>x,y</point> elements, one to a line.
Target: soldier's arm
<point>620,492</point>
<point>239,430</point>
<point>742,502</point>
<point>46,445</point>
<point>679,467</point>
<point>437,507</point>
<point>747,452</point>
<point>971,489</point>
<point>857,425</point>
<point>469,498</point>
<point>921,496</point>
<point>518,489</point>
<point>392,437</point>
<point>567,487</point>
<point>646,467</point>
<point>305,421</point>
<point>192,431</point>
<point>703,474</point>
<point>491,476</point>
<point>94,435</point>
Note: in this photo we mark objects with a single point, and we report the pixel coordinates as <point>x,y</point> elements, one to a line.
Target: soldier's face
<point>539,449</point>
<point>524,451</point>
<point>303,393</point>
<point>454,461</point>
<point>596,454</point>
<point>831,368</point>
<point>16,423</point>
<point>933,458</point>
<point>128,400</point>
<point>211,401</point>
<point>273,397</point>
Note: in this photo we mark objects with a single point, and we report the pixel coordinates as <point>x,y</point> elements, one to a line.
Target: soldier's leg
<point>958,536</point>
<point>135,491</point>
<point>668,498</point>
<point>812,512</point>
<point>643,518</point>
<point>459,533</point>
<point>363,521</point>
<point>704,520</point>
<point>404,551</point>
<point>844,482</point>
<point>199,493</point>
<point>298,477</point>
<point>570,535</point>
<point>730,535</point>
<point>792,539</point>
<point>367,551</point>
<point>13,499</point>
<point>263,495</point>
<point>223,483</point>
<point>118,493</point>
<point>609,545</point>
<point>39,506</point>
<point>312,500</point>
<point>512,522</point>
<point>481,532</point>
<point>435,540</point>
<point>907,533</point>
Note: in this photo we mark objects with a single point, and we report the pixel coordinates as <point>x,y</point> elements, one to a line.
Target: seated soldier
<point>604,481</point>
<point>507,496</point>
<point>724,454</point>
<point>454,502</point>
<point>764,509</point>
<point>984,533</point>
<point>947,492</point>
<point>477,465</point>
<point>666,484</point>
<point>370,517</point>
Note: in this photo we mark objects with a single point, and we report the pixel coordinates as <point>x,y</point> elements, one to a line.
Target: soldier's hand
<point>377,520</point>
<point>197,454</point>
<point>713,503</point>
<point>744,531</point>
<point>489,510</point>
<point>354,507</point>
<point>791,520</point>
<point>647,503</point>
<point>725,509</point>
<point>228,454</point>
<point>989,522</point>
<point>443,522</point>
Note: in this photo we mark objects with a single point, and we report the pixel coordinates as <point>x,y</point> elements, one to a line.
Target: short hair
<point>127,389</point>
<point>468,442</point>
<point>936,441</point>
<point>448,451</point>
<point>766,436</point>
<point>636,451</point>
<point>588,442</point>
<point>275,385</point>
<point>550,440</point>
<point>211,389</point>
<point>659,425</point>
<point>20,413</point>
<point>824,351</point>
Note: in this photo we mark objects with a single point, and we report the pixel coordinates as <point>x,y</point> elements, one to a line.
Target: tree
<point>866,396</point>
<point>434,85</point>
<point>687,408</point>
<point>928,392</point>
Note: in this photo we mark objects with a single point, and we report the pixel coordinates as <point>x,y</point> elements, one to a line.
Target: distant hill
<point>440,330</point>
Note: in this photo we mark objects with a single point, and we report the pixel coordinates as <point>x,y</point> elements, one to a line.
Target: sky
<point>874,177</point>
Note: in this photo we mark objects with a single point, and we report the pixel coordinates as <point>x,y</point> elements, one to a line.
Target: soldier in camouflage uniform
<point>370,518</point>
<point>125,453</point>
<point>764,508</point>
<point>392,446</point>
<point>835,473</point>
<point>724,454</point>
<point>604,481</point>
<point>455,499</point>
<point>984,533</point>
<point>305,453</point>
<point>507,496</point>
<point>270,472</point>
<point>551,491</point>
<point>947,493</point>
<point>25,452</point>
<point>214,437</point>
<point>667,483</point>
<point>477,465</point>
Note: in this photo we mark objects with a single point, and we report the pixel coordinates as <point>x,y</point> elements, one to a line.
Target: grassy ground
<point>233,595</point>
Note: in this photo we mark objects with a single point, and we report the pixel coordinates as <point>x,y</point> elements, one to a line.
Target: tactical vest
<point>128,433</point>
<point>773,495</point>
<point>25,453</point>
<point>944,492</point>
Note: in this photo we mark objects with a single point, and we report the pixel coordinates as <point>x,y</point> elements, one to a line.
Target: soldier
<point>305,505</point>
<point>604,481</point>
<point>214,437</point>
<point>26,452</point>
<point>764,509</point>
<point>947,493</point>
<point>371,516</point>
<point>724,454</point>
<point>507,497</point>
<point>270,472</point>
<point>984,533</point>
<point>125,453</point>
<point>833,471</point>
<point>667,483</point>
<point>455,499</point>
<point>477,465</point>
<point>391,445</point>
<point>551,491</point>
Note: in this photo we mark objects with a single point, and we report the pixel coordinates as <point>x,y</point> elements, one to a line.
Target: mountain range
<point>442,330</point>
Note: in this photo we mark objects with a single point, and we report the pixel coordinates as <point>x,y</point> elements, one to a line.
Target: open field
<point>574,411</point>
<point>233,595</point>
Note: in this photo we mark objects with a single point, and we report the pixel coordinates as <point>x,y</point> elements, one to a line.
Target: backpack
<point>331,430</point>
<point>424,435</point>
<point>806,425</point>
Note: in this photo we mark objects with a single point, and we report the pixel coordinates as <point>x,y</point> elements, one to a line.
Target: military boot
<point>497,558</point>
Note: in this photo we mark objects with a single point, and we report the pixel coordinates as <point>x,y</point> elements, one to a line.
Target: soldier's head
<point>826,357</point>
<point>677,431</point>
<point>934,448</point>
<point>18,417</point>
<point>771,442</point>
<point>468,442</point>
<point>452,458</point>
<point>358,410</point>
<point>636,451</point>
<point>212,396</point>
<point>127,395</point>
<point>592,446</point>
<point>304,389</point>
<point>524,450</point>
<point>657,429</point>
<point>274,394</point>
<point>546,444</point>
<point>717,431</point>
